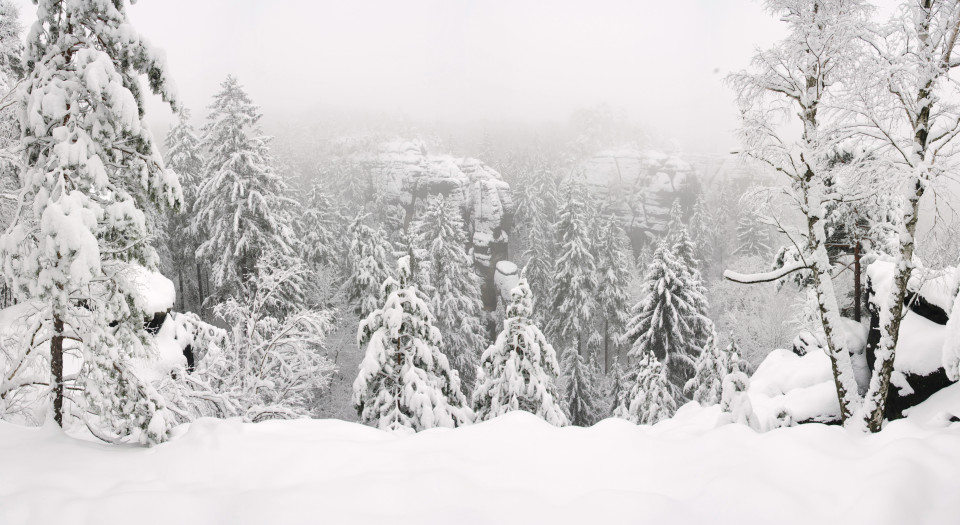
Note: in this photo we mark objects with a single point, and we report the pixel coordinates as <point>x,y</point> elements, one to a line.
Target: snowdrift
<point>513,469</point>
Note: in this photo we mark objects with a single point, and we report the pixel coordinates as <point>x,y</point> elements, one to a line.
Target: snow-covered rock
<point>641,185</point>
<point>408,175</point>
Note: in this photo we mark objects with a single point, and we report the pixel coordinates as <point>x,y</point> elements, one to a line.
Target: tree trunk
<point>857,285</point>
<point>56,369</point>
<point>199,290</point>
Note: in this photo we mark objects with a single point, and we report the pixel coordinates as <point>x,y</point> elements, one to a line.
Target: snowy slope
<point>514,469</point>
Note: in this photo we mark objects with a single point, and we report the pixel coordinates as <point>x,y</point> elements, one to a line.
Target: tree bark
<point>56,369</point>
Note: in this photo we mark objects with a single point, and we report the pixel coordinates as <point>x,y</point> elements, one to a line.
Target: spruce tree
<point>575,277</point>
<point>666,321</point>
<point>706,386</point>
<point>454,286</point>
<point>582,395</point>
<point>366,266</point>
<point>518,370</point>
<point>92,180</point>
<point>619,386</point>
<point>613,283</point>
<point>684,250</point>
<point>752,236</point>
<point>241,208</point>
<point>319,228</point>
<point>651,397</point>
<point>535,205</point>
<point>405,381</point>
<point>183,156</point>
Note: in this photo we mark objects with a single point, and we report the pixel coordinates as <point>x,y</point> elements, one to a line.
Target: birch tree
<point>801,76</point>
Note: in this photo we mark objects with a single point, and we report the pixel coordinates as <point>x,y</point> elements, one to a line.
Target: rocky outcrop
<point>408,175</point>
<point>641,186</point>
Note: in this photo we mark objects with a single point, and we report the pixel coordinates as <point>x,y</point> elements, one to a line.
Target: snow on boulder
<point>801,386</point>
<point>157,294</point>
<point>506,278</point>
<point>920,345</point>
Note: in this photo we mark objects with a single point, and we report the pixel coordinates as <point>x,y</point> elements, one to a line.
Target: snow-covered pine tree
<point>613,283</point>
<point>581,392</point>
<point>666,320</point>
<point>320,228</point>
<point>366,267</point>
<point>575,274</point>
<point>619,386</point>
<point>706,385</point>
<point>241,208</point>
<point>518,370</point>
<point>454,286</point>
<point>684,250</point>
<point>752,236</point>
<point>405,381</point>
<point>183,156</point>
<point>91,180</point>
<point>651,397</point>
<point>702,228</point>
<point>538,198</point>
<point>731,356</point>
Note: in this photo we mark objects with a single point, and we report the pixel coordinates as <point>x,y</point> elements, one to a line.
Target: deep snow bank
<point>515,469</point>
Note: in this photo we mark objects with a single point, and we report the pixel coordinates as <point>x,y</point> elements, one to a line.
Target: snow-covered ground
<point>513,469</point>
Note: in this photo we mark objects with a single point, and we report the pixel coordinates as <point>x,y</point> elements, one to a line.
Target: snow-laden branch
<point>765,277</point>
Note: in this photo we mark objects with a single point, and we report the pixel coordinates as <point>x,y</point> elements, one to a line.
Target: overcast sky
<point>663,62</point>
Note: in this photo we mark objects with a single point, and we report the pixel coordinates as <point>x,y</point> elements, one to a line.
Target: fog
<point>662,63</point>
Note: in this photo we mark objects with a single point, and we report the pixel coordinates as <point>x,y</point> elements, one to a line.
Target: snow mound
<point>513,469</point>
<point>799,385</point>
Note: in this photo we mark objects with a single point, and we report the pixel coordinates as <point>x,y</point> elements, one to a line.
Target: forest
<point>246,285</point>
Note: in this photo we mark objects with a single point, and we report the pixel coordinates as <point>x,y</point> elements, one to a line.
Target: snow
<point>684,470</point>
<point>157,293</point>
<point>801,386</point>
<point>920,345</point>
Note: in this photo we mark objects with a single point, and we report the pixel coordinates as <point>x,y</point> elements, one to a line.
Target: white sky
<point>661,61</point>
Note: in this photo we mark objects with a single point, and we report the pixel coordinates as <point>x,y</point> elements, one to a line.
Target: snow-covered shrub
<point>266,367</point>
<point>735,401</point>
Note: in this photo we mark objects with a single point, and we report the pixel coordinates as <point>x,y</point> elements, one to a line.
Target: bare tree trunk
<point>200,296</point>
<point>56,369</point>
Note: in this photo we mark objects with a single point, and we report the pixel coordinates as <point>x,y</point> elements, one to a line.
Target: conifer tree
<point>752,236</point>
<point>535,204</point>
<point>706,386</point>
<point>613,282</point>
<point>518,370</point>
<point>11,72</point>
<point>575,276</point>
<point>702,227</point>
<point>581,394</point>
<point>619,385</point>
<point>241,208</point>
<point>651,397</point>
<point>184,158</point>
<point>454,286</point>
<point>684,250</point>
<point>320,228</point>
<point>92,180</point>
<point>405,381</point>
<point>666,320</point>
<point>366,266</point>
